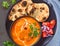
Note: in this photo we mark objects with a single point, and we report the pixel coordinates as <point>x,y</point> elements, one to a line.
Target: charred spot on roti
<point>26,9</point>
<point>24,3</point>
<point>32,10</point>
<point>19,10</point>
<point>44,18</point>
<point>27,13</point>
<point>42,8</point>
<point>16,16</point>
<point>31,4</point>
<point>13,10</point>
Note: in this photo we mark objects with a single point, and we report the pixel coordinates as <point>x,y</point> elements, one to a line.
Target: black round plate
<point>42,41</point>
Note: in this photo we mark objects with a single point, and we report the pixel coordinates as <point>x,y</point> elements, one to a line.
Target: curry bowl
<point>25,31</point>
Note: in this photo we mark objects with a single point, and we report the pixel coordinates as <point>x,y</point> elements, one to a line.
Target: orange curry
<point>25,31</point>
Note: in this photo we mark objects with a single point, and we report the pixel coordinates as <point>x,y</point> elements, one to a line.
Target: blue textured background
<point>56,39</point>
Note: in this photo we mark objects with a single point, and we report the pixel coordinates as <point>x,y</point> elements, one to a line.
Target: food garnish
<point>5,4</point>
<point>13,1</point>
<point>34,32</point>
<point>47,28</point>
<point>8,43</point>
<point>31,26</point>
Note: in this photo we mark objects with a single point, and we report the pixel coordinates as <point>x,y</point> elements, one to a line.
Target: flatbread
<point>40,11</point>
<point>19,10</point>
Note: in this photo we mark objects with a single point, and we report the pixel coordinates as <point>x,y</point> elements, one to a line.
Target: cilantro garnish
<point>8,43</point>
<point>13,1</point>
<point>5,4</point>
<point>34,30</point>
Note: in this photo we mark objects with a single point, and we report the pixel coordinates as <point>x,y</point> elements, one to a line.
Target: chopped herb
<point>35,34</point>
<point>35,29</point>
<point>8,43</point>
<point>5,4</point>
<point>38,29</point>
<point>30,34</point>
<point>13,1</point>
<point>31,26</point>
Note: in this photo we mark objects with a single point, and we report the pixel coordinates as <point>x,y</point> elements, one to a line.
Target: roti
<point>39,11</point>
<point>19,10</point>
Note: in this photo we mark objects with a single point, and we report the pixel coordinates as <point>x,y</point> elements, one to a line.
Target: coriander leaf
<point>38,29</point>
<point>35,34</point>
<point>5,4</point>
<point>31,27</point>
<point>8,43</point>
<point>30,34</point>
<point>13,1</point>
<point>35,29</point>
